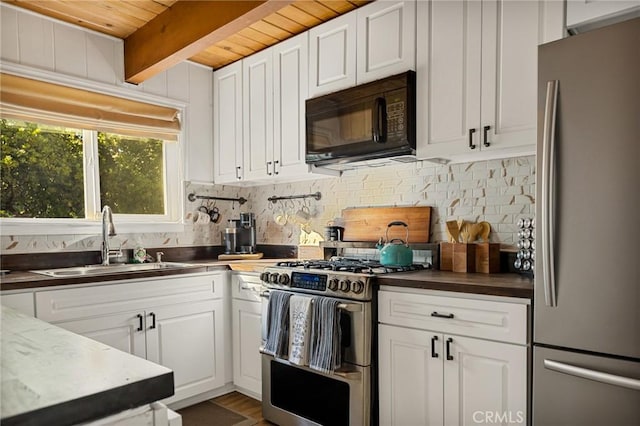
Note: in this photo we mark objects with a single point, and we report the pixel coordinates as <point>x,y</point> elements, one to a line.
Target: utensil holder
<point>446,256</point>
<point>464,257</point>
<point>488,258</point>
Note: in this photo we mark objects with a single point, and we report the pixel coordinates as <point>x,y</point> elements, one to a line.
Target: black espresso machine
<point>239,236</point>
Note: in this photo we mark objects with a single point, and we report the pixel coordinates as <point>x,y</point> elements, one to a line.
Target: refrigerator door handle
<point>548,200</point>
<point>598,376</point>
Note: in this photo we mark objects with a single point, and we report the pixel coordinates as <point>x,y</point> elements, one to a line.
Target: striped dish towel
<point>278,324</point>
<point>324,353</point>
<point>300,321</point>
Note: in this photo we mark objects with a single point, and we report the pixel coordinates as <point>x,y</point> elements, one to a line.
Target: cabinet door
<point>247,338</point>
<point>227,123</point>
<point>448,77</point>
<point>511,33</point>
<point>290,87</point>
<point>386,39</point>
<point>411,376</point>
<point>484,378</point>
<point>257,101</point>
<point>23,302</point>
<point>123,331</point>
<point>332,60</point>
<point>188,338</point>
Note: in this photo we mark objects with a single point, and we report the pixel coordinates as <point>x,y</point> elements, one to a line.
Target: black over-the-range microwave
<point>370,121</point>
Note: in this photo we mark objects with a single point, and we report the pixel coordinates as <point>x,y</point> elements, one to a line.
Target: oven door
<point>295,395</point>
<point>355,323</point>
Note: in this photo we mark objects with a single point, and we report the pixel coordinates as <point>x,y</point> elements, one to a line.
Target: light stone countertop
<point>51,376</point>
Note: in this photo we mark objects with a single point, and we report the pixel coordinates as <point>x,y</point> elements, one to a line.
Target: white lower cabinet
<point>177,322</point>
<point>431,377</point>
<point>246,326</point>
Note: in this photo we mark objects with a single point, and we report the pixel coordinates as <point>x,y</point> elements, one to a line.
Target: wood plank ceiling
<point>123,18</point>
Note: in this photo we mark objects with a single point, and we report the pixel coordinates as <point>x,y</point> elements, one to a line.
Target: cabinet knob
<point>471,144</point>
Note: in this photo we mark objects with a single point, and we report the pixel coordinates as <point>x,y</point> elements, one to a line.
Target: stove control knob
<point>264,277</point>
<point>345,285</point>
<point>357,287</point>
<point>283,279</point>
<point>273,278</point>
<point>333,284</point>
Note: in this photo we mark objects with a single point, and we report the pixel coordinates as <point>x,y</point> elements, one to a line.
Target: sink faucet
<point>108,230</point>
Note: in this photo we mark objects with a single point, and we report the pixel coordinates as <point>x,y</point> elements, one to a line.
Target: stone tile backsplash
<point>496,191</point>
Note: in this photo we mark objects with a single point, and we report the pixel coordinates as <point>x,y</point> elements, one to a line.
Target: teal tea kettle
<point>395,252</point>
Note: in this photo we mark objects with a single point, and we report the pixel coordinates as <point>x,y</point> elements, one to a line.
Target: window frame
<point>171,221</point>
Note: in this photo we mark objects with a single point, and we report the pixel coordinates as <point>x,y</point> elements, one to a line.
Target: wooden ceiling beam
<point>186,29</point>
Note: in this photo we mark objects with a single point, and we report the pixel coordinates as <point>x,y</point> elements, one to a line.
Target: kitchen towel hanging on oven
<point>300,321</point>
<point>277,343</point>
<point>325,335</point>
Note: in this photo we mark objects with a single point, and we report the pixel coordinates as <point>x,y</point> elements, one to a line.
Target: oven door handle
<point>350,307</point>
<point>264,294</point>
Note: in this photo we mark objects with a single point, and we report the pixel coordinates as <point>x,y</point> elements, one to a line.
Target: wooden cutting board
<point>370,223</point>
<point>240,256</point>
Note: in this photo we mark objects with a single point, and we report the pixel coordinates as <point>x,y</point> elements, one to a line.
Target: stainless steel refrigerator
<point>586,330</point>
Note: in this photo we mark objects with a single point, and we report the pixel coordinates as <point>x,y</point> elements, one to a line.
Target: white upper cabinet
<point>227,124</point>
<point>332,55</point>
<point>369,43</point>
<point>477,76</point>
<point>386,39</point>
<point>290,85</point>
<point>585,13</point>
<point>257,102</point>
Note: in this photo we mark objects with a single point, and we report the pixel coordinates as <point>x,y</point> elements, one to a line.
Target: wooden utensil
<point>484,231</point>
<point>453,231</point>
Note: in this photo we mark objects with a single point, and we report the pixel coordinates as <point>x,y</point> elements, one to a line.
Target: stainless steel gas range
<point>295,394</point>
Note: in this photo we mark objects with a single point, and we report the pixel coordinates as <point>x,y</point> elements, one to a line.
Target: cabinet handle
<point>268,172</point>
<point>238,172</point>
<point>140,328</point>
<point>275,167</point>
<point>433,347</point>
<point>153,320</point>
<point>471,144</point>
<point>449,356</point>
<point>485,140</point>
<point>439,315</point>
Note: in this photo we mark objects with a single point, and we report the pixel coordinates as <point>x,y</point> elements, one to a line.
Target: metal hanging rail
<point>192,197</point>
<point>316,195</point>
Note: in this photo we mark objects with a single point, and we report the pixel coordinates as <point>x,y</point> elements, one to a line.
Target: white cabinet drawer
<point>246,286</point>
<point>107,298</point>
<point>501,321</point>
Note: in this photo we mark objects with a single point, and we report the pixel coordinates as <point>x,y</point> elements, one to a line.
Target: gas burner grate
<point>358,266</point>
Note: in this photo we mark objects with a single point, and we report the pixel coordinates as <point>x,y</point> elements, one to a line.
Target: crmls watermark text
<point>495,417</point>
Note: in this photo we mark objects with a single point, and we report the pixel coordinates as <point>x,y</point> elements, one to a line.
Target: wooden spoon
<point>453,231</point>
<point>484,231</point>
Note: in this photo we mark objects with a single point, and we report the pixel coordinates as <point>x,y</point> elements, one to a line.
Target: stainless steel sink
<point>109,269</point>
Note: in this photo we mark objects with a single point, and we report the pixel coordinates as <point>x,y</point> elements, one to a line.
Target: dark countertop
<point>51,376</point>
<point>19,280</point>
<point>503,284</point>
<point>511,285</point>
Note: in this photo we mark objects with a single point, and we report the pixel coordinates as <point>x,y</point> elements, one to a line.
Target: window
<point>67,151</point>
<point>49,172</point>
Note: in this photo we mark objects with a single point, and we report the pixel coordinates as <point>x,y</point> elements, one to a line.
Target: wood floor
<point>244,405</point>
